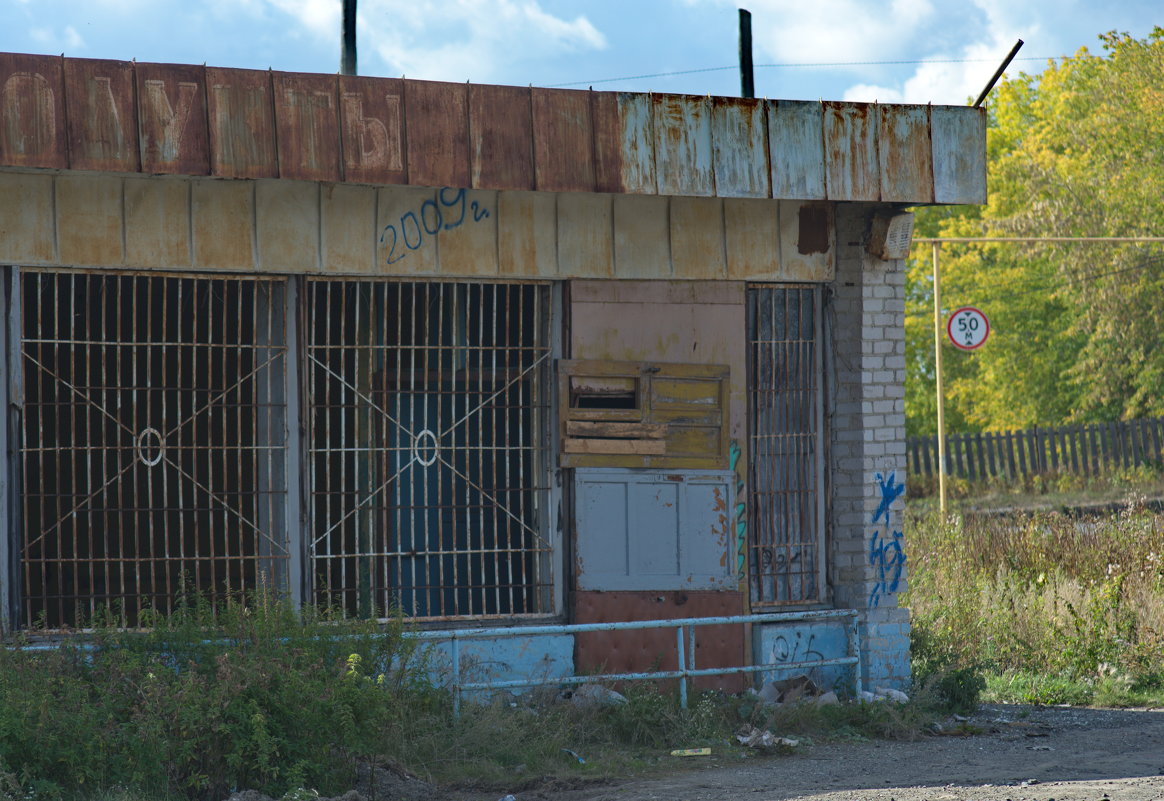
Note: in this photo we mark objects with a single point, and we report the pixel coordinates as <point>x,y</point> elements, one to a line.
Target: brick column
<point>866,407</point>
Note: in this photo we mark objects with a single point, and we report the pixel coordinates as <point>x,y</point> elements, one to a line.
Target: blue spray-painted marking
<point>886,553</point>
<point>741,512</point>
<point>444,212</point>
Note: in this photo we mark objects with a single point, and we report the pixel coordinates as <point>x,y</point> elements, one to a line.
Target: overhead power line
<point>786,65</point>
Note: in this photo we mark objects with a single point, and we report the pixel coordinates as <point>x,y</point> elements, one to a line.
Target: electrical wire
<point>785,65</point>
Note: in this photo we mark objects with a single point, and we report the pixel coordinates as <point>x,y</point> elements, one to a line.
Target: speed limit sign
<point>968,328</point>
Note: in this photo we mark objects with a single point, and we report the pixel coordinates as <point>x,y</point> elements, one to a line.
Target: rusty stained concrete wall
<point>97,115</point>
<point>100,220</point>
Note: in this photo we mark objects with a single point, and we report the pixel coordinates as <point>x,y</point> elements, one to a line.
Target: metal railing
<point>684,644</point>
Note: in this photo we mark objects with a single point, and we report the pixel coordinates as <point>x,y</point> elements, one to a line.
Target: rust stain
<point>720,501</point>
<point>644,649</point>
<point>501,137</point>
<point>372,129</point>
<point>171,102</point>
<point>307,126</point>
<point>32,111</point>
<point>102,118</point>
<point>906,156</point>
<point>683,150</point>
<point>563,133</point>
<point>815,224</point>
<point>242,123</point>
<point>608,156</point>
<point>438,133</point>
<point>850,135</point>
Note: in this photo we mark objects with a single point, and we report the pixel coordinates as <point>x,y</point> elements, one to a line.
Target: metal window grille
<point>428,411</point>
<point>785,472</point>
<point>152,456</point>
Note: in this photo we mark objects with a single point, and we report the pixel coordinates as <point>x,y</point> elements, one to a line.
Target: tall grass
<point>1079,603</point>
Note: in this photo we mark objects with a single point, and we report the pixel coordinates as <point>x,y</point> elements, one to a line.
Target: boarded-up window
<point>643,414</point>
<point>786,470</point>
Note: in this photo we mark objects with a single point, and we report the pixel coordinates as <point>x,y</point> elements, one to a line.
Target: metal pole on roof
<point>348,49</point>
<point>998,73</point>
<point>747,76</point>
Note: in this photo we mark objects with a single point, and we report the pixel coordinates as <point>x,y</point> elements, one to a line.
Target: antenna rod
<point>747,78</point>
<point>998,73</point>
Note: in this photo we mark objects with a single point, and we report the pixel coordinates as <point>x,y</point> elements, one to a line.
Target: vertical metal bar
<point>854,630</point>
<point>456,654</point>
<point>297,532</point>
<point>681,662</point>
<point>8,364</point>
<point>938,376</point>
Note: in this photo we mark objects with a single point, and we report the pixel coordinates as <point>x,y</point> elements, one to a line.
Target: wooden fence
<point>1080,449</point>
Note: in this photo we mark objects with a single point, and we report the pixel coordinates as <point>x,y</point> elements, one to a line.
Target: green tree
<point>1075,151</point>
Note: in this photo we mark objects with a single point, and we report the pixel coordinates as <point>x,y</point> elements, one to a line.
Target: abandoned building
<point>484,354</point>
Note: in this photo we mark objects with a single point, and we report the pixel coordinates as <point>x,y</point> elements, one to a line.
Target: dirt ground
<point>1023,754</point>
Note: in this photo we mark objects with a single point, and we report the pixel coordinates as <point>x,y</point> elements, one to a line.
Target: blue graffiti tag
<point>429,221</point>
<point>885,544</point>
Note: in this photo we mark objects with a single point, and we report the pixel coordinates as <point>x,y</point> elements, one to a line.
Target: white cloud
<point>66,41</point>
<point>452,40</point>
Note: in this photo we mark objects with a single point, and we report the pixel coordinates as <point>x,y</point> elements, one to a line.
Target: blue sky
<point>583,43</point>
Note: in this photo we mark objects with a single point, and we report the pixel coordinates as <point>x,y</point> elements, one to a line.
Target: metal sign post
<point>938,375</point>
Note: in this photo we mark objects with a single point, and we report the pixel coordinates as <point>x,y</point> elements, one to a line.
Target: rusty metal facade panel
<point>796,149</point>
<point>683,151</point>
<point>608,136</point>
<point>152,458</point>
<point>242,124</point>
<point>438,133</point>
<point>429,409</point>
<point>959,141</point>
<point>850,142</point>
<point>740,138</point>
<point>102,115</point>
<point>501,137</point>
<point>171,103</point>
<point>785,525</point>
<point>372,129</point>
<point>32,111</point>
<point>563,140</point>
<point>655,649</point>
<point>637,145</point>
<point>175,119</point>
<point>307,126</point>
<point>906,154</point>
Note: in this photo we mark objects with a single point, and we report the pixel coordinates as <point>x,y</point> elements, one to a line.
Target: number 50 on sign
<point>968,328</point>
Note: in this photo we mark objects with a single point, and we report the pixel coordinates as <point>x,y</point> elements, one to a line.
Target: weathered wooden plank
<point>682,145</point>
<point>981,456</point>
<point>958,134</point>
<point>740,147</point>
<point>615,446</point>
<point>307,126</point>
<point>102,115</point>
<point>1022,454</point>
<point>796,149</point>
<point>905,153</point>
<point>438,133</point>
<point>372,129</point>
<point>32,111</point>
<point>242,124</point>
<point>991,452</point>
<point>563,146</point>
<point>850,150</point>
<point>501,137</point>
<point>1011,471</point>
<point>927,464</point>
<point>172,123</point>
<point>595,429</point>
<point>1073,445</point>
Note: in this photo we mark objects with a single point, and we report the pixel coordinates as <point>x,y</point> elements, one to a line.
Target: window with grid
<point>428,411</point>
<point>785,469</point>
<point>152,458</point>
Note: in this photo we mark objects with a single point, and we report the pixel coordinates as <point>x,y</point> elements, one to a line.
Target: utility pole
<point>348,48</point>
<point>747,79</point>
